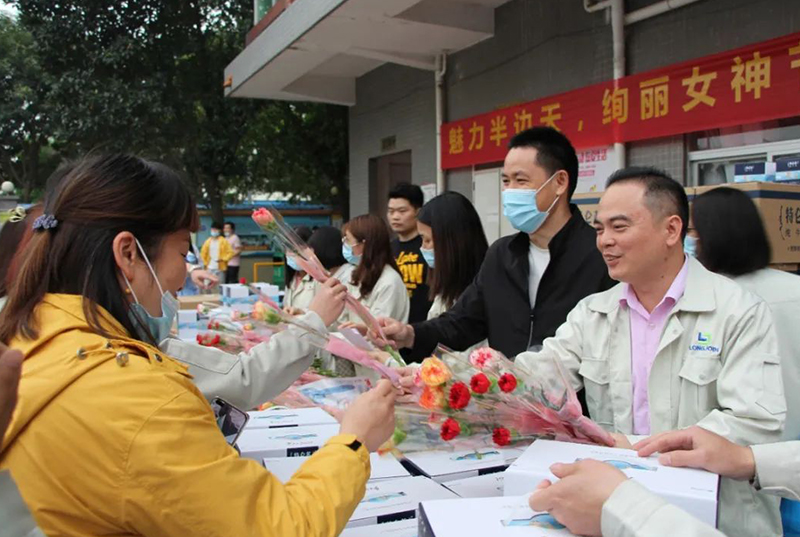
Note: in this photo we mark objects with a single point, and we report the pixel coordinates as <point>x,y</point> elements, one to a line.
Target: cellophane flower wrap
<point>272,223</point>
<point>468,401</point>
<point>268,309</point>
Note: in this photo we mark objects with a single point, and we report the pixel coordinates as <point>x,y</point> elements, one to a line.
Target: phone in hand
<point>230,420</point>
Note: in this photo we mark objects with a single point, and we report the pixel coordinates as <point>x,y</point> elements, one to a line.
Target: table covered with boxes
<point>458,493</point>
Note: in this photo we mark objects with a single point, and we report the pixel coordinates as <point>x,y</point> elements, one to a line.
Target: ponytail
<point>72,253</point>
<point>27,291</point>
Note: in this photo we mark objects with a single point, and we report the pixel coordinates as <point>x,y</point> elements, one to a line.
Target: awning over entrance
<point>315,49</point>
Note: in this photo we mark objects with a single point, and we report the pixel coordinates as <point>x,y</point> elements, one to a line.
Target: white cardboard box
<point>503,517</point>
<point>481,486</point>
<point>401,528</point>
<point>187,319</point>
<point>444,466</point>
<point>277,418</point>
<point>260,444</point>
<point>383,467</point>
<point>234,290</point>
<point>695,491</point>
<point>390,500</point>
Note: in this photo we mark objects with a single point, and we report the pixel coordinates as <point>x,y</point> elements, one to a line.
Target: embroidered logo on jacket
<point>704,343</point>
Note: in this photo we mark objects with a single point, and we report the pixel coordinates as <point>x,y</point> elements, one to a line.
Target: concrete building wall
<point>392,101</point>
<point>540,48</point>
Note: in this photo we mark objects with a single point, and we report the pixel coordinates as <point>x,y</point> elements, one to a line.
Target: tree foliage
<point>146,77</point>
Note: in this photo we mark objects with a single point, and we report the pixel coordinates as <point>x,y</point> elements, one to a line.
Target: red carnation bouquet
<point>467,401</point>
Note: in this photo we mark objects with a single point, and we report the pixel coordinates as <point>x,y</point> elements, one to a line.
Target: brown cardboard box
<point>587,203</point>
<point>191,302</point>
<point>779,205</point>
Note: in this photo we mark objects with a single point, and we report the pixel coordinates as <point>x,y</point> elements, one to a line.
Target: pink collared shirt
<point>646,330</point>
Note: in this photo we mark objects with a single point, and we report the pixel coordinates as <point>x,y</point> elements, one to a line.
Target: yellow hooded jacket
<point>225,252</point>
<point>111,437</point>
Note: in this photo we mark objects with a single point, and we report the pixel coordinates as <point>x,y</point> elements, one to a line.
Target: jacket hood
<point>65,350</point>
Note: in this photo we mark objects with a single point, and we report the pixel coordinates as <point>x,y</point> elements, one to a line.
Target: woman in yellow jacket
<point>110,436</point>
<point>216,251</point>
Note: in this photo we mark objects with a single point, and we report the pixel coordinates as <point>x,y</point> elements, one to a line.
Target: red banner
<point>747,85</point>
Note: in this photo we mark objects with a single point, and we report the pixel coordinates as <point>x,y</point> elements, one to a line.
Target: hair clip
<point>45,222</point>
<point>17,214</point>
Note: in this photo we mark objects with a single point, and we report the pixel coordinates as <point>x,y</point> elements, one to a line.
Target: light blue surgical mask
<point>158,327</point>
<point>215,234</point>
<point>519,206</point>
<point>428,255</point>
<point>350,257</point>
<point>293,264</point>
<point>690,246</point>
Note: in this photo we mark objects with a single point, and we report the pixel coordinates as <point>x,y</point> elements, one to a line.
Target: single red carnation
<point>479,383</point>
<point>242,281</point>
<point>501,436</point>
<point>199,338</point>
<point>459,396</point>
<point>215,340</point>
<point>450,429</point>
<point>507,383</point>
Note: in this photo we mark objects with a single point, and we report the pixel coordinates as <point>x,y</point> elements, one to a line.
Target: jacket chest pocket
<point>596,383</point>
<point>772,397</point>
<point>698,392</point>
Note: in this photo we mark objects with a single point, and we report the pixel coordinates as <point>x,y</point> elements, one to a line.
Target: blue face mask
<point>293,264</point>
<point>519,206</point>
<point>158,327</point>
<point>428,255</point>
<point>215,234</point>
<point>690,246</point>
<point>350,257</point>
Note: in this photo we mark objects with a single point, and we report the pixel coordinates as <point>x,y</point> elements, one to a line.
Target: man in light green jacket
<point>674,345</point>
<point>594,498</point>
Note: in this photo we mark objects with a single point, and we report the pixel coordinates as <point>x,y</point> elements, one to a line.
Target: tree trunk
<point>31,166</point>
<point>215,201</point>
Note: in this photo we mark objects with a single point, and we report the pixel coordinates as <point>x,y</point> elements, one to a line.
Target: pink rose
<point>263,217</point>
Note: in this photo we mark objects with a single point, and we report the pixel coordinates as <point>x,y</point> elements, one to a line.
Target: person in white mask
<point>528,282</point>
<point>111,436</point>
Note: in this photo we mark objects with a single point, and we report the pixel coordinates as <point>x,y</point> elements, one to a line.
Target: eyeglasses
<point>344,241</point>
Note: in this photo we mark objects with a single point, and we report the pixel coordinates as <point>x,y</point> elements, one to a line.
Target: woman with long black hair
<point>453,244</point>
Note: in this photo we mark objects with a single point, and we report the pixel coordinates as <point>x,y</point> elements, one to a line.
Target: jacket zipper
<point>530,333</point>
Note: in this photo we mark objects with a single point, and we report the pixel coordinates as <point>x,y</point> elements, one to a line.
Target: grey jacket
<point>634,511</point>
<point>717,366</point>
<point>15,519</point>
<point>250,378</point>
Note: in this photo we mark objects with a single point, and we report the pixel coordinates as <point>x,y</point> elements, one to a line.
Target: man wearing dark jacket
<point>530,281</point>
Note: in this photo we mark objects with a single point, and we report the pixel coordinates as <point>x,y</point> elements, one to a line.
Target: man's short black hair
<point>216,225</point>
<point>407,191</point>
<point>233,226</point>
<point>554,152</point>
<point>663,195</point>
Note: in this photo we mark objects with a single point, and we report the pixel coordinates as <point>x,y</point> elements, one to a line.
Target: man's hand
<point>10,372</point>
<point>203,279</point>
<point>328,303</point>
<point>621,441</point>
<point>293,311</point>
<point>577,499</point>
<point>407,385</point>
<point>399,335</point>
<point>697,448</point>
